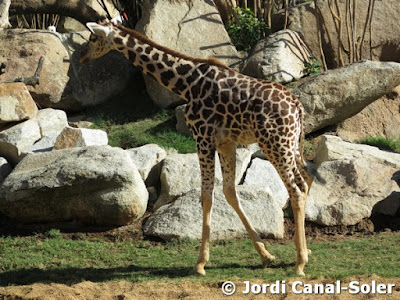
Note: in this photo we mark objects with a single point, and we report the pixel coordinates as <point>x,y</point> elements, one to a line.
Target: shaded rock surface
<point>97,184</point>
<point>380,118</point>
<point>386,45</point>
<point>183,218</point>
<point>5,169</point>
<point>64,83</point>
<point>181,125</point>
<point>148,160</point>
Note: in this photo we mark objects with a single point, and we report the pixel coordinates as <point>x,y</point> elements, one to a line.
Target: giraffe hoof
<point>266,261</point>
<point>299,272</point>
<point>198,271</point>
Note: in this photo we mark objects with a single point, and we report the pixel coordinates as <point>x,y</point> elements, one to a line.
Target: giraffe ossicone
<point>224,108</point>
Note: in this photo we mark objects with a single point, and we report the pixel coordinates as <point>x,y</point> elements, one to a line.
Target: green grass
<point>383,143</point>
<point>26,260</point>
<point>132,120</point>
<point>156,130</point>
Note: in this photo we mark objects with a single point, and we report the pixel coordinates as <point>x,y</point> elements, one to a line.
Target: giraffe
<point>224,108</point>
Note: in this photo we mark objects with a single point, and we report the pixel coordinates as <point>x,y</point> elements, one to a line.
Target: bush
<point>312,67</point>
<point>245,30</point>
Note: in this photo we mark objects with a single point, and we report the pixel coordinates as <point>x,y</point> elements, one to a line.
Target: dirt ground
<point>124,290</point>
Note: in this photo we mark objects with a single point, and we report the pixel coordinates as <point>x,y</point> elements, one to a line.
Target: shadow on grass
<point>70,276</point>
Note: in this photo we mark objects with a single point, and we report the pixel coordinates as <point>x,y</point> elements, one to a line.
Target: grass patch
<point>135,121</point>
<point>156,130</point>
<point>26,260</point>
<point>383,143</point>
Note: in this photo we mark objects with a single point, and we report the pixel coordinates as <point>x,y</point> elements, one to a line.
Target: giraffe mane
<point>211,60</point>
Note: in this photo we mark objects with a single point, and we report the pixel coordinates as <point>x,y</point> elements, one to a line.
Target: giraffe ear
<point>98,29</point>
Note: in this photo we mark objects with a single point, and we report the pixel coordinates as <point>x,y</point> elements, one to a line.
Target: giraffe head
<point>100,41</point>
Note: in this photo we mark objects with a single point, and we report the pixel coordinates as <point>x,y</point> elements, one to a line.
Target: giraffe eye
<point>93,38</point>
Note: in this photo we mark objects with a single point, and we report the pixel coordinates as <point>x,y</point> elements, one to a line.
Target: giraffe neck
<point>177,72</point>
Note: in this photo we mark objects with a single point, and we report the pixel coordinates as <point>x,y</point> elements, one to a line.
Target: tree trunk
<point>4,7</point>
<point>73,8</point>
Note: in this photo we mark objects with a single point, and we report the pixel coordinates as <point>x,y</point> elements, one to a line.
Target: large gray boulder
<point>97,184</point>
<point>64,82</point>
<point>193,27</point>
<point>181,173</point>
<point>336,95</point>
<point>182,218</point>
<point>358,180</point>
<point>280,57</point>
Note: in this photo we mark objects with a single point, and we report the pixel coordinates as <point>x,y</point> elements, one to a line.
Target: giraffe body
<point>224,108</point>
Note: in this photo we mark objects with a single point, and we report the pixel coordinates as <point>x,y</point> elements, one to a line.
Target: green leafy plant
<point>245,30</point>
<point>312,67</point>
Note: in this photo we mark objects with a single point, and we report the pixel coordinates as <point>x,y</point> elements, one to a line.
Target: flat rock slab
<point>97,185</point>
<point>182,219</point>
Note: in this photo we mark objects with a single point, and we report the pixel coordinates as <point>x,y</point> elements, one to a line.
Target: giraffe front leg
<point>204,256</point>
<point>227,156</point>
<point>207,163</point>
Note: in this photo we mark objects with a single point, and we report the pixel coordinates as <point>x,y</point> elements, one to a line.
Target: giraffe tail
<point>311,170</point>
<point>302,135</point>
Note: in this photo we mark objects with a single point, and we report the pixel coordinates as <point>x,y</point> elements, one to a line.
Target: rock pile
<point>83,180</point>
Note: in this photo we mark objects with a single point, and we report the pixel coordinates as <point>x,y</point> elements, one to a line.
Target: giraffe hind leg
<point>228,164</point>
<point>297,188</point>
